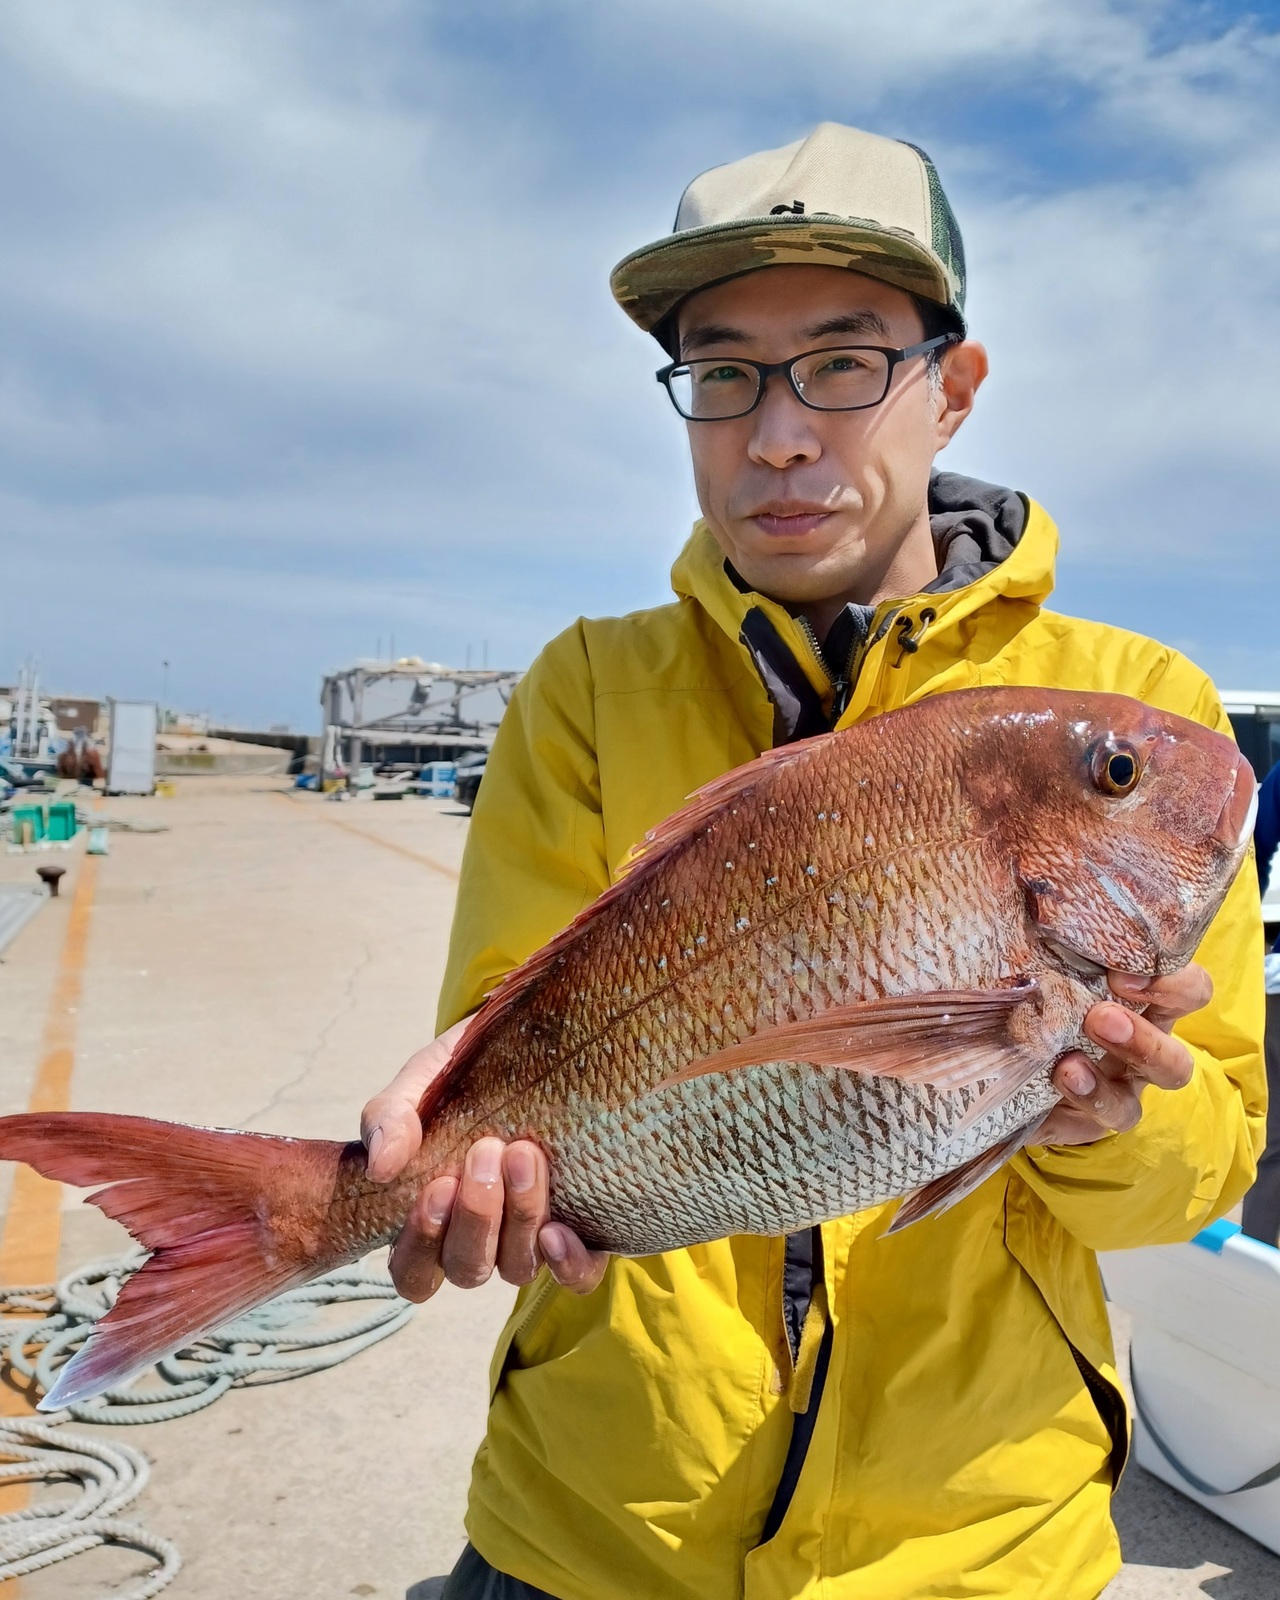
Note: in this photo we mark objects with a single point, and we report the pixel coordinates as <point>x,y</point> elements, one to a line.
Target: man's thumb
<point>392,1134</point>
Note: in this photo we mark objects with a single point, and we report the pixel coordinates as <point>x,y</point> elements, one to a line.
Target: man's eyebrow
<point>711,333</point>
<point>857,323</point>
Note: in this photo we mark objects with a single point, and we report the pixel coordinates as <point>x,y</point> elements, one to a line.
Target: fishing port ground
<point>265,961</point>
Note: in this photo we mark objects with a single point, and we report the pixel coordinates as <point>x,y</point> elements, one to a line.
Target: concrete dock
<point>267,962</point>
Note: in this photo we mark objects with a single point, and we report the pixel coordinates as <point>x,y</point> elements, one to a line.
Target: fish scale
<point>852,870</point>
<point>843,974</point>
<point>770,946</point>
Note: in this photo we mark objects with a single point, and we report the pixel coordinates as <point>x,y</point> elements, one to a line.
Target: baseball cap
<point>840,197</point>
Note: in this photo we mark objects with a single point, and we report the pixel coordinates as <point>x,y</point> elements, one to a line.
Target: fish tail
<point>201,1200</point>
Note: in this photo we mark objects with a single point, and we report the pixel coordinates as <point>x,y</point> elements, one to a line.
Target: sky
<point>306,342</point>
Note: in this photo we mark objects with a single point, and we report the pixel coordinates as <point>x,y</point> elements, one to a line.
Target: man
<point>1261,1214</point>
<point>1266,833</point>
<point>81,760</point>
<point>838,1413</point>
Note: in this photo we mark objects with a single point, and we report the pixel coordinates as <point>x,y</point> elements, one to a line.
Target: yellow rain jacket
<point>970,1430</point>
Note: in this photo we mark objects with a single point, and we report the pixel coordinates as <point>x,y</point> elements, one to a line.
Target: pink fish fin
<point>706,803</point>
<point>948,1039</point>
<point>657,848</point>
<point>952,1187</point>
<point>995,1094</point>
<point>198,1199</point>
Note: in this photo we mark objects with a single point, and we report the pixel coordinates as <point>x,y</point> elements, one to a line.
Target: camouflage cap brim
<point>651,281</point>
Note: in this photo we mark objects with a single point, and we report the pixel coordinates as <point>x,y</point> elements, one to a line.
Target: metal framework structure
<point>377,707</point>
<point>28,722</point>
<point>30,737</point>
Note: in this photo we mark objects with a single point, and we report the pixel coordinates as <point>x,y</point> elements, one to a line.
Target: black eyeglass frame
<point>766,369</point>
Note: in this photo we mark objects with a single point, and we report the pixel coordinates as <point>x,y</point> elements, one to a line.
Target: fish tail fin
<point>202,1200</point>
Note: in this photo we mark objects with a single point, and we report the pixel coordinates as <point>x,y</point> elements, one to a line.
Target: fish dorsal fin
<point>659,846</point>
<point>706,804</point>
<point>947,1039</point>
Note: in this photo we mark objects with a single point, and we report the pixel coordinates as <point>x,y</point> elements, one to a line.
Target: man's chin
<point>795,576</point>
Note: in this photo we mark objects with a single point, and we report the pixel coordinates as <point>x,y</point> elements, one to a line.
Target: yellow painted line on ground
<point>33,1227</point>
<point>387,844</point>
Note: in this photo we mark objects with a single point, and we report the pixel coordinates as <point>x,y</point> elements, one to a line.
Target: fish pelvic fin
<point>200,1200</point>
<point>933,1198</point>
<point>947,1039</point>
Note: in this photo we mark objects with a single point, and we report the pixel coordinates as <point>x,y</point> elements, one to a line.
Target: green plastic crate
<point>61,823</point>
<point>27,824</point>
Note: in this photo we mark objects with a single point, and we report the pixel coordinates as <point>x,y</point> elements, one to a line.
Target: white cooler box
<point>1205,1370</point>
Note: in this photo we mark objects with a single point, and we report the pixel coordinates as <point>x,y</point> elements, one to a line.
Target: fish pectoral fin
<point>952,1187</point>
<point>947,1039</point>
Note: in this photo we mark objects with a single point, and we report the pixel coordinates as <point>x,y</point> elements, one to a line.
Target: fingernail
<point>1130,982</point>
<point>1079,1079</point>
<point>484,1161</point>
<point>1113,1025</point>
<point>376,1142</point>
<point>439,1203</point>
<point>522,1169</point>
<point>554,1245</point>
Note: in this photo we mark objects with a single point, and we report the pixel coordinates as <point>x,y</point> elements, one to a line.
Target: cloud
<point>1139,313</point>
<point>306,325</point>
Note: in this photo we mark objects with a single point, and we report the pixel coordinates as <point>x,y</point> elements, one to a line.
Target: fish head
<point>1124,825</point>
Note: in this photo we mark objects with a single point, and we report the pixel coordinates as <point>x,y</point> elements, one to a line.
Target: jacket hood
<point>976,526</point>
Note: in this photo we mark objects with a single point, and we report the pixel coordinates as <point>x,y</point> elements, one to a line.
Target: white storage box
<point>1205,1368</point>
<point>131,762</point>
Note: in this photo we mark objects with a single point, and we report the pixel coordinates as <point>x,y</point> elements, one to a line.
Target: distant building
<point>75,711</point>
<point>67,712</point>
<point>407,712</point>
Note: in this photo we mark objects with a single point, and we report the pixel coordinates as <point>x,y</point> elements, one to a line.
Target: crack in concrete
<point>345,1008</point>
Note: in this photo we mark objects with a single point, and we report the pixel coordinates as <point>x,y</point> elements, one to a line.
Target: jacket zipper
<point>537,1300</point>
<point>842,686</point>
<point>544,1286</point>
<point>815,649</point>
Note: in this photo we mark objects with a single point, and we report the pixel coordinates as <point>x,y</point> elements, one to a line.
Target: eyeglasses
<point>847,378</point>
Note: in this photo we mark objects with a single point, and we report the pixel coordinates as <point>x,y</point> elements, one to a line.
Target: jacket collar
<point>982,542</point>
<point>994,545</point>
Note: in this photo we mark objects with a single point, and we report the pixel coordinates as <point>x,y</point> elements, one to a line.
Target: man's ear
<point>964,366</point>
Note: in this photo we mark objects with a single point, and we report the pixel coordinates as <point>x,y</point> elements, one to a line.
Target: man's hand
<point>495,1214</point>
<point>1103,1096</point>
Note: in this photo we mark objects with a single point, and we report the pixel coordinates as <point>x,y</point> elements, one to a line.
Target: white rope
<point>111,1476</point>
<point>285,1338</point>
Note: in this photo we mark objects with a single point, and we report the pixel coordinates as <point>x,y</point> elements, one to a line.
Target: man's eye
<point>844,363</point>
<point>720,374</point>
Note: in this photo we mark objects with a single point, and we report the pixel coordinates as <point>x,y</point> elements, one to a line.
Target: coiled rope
<point>286,1338</point>
<point>110,1478</point>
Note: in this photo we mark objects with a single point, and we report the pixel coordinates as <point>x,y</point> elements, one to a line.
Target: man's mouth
<point>794,518</point>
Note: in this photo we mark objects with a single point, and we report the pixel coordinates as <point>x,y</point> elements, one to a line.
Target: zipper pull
<point>841,694</point>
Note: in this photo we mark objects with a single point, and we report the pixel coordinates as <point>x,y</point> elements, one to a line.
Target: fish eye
<point>1116,769</point>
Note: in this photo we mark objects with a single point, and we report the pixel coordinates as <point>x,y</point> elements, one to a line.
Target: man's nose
<point>783,435</point>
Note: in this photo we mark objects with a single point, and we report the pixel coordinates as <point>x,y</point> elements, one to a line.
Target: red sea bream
<point>841,975</point>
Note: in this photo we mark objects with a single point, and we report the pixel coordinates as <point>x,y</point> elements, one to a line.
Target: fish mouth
<point>1071,957</point>
<point>1239,810</point>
